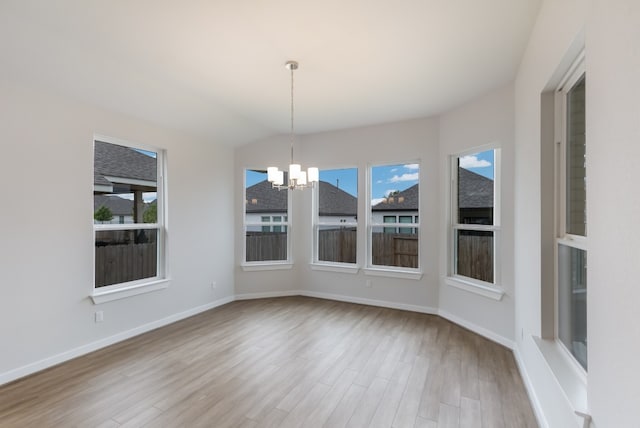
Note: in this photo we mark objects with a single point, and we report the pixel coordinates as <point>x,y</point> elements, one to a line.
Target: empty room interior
<point>338,213</point>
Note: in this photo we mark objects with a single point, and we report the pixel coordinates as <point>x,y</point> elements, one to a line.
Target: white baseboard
<point>102,343</point>
<point>267,295</point>
<point>533,397</point>
<point>370,302</point>
<point>477,329</point>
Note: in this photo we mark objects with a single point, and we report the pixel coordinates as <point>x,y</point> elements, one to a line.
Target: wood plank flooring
<point>285,362</point>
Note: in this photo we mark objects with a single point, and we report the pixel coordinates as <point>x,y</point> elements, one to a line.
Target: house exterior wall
<point>46,268</point>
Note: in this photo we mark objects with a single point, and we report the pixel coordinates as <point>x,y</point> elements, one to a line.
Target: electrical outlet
<point>214,285</point>
<point>99,316</point>
<point>367,283</point>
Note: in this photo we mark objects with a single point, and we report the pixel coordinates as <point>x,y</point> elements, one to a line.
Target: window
<point>571,238</point>
<point>336,216</point>
<point>265,219</point>
<point>475,222</point>
<point>393,216</point>
<point>128,215</point>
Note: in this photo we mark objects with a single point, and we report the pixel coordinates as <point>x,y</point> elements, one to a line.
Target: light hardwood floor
<point>284,362</point>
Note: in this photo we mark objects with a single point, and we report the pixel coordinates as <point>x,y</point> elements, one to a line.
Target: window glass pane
<point>337,244</point>
<point>263,204</point>
<point>576,167</point>
<point>475,188</point>
<point>394,249</point>
<point>572,301</point>
<point>406,219</point>
<point>125,192</point>
<point>337,203</point>
<point>124,184</point>
<point>125,255</point>
<point>389,219</point>
<point>474,249</point>
<point>394,194</point>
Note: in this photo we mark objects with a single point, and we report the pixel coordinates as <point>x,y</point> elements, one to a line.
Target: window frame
<point>386,270</point>
<point>286,223</point>
<point>488,289</point>
<point>562,237</point>
<point>316,263</point>
<point>121,290</point>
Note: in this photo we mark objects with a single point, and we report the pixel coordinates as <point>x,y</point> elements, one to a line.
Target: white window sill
<point>250,267</point>
<point>393,273</point>
<point>571,378</point>
<point>490,292</point>
<point>102,296</point>
<point>335,267</point>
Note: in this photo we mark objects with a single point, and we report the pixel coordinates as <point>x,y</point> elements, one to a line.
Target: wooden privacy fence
<point>125,262</point>
<point>263,246</point>
<point>395,249</point>
<point>337,245</point>
<point>475,249</point>
<point>475,255</point>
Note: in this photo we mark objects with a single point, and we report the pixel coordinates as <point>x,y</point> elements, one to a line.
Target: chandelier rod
<point>292,65</point>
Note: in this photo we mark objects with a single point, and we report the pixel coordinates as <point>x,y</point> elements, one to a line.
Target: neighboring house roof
<point>112,160</point>
<point>261,198</point>
<point>116,204</point>
<point>407,200</point>
<point>476,191</point>
<point>336,202</point>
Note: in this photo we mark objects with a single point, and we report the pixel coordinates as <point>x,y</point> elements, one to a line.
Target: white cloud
<point>388,192</point>
<point>376,201</point>
<point>412,166</point>
<point>394,169</point>
<point>404,177</point>
<point>379,182</point>
<point>473,162</point>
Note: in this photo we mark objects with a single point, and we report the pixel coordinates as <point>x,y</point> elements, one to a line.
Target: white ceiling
<point>216,67</point>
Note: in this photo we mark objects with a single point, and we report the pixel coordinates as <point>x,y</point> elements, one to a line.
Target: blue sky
<point>389,178</point>
<point>480,163</point>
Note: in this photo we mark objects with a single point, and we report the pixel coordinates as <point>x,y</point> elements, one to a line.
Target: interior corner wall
<point>488,120</point>
<point>357,147</point>
<point>273,151</point>
<point>46,229</point>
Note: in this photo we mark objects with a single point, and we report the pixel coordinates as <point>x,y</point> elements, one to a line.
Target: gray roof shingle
<point>113,160</point>
<point>116,204</point>
<point>261,198</point>
<point>336,202</point>
<point>476,191</point>
<point>407,200</point>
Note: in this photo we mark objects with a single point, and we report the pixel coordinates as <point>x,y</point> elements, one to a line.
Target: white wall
<point>610,32</point>
<point>396,142</point>
<point>485,121</point>
<point>613,206</point>
<point>46,262</point>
